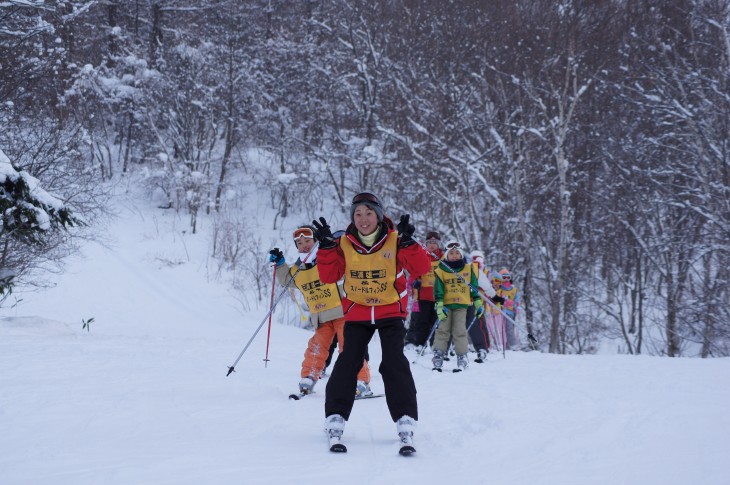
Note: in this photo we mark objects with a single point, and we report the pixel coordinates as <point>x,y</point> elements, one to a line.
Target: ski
<point>371,396</point>
<point>406,450</point>
<point>338,448</point>
<point>298,396</point>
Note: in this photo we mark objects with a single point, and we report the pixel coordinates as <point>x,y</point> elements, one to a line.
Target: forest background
<point>584,144</point>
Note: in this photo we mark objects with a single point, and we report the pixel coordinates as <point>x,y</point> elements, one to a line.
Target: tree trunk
<point>671,330</point>
<point>230,127</point>
<point>156,34</point>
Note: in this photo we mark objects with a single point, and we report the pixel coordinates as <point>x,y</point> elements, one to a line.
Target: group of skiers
<point>450,299</point>
<point>366,278</point>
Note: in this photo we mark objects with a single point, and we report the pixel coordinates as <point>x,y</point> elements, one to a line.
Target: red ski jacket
<point>413,259</point>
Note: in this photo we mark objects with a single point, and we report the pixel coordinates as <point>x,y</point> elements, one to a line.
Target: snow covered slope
<point>143,398</point>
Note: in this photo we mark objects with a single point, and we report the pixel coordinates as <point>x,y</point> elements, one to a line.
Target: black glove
<point>498,300</point>
<point>276,257</point>
<point>417,285</point>
<point>323,234</point>
<point>405,231</point>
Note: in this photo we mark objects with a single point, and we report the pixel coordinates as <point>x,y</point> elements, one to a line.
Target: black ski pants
<point>400,389</point>
<point>421,326</point>
<point>331,353</point>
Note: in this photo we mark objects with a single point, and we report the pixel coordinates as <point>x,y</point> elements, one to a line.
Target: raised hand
<point>405,231</point>
<point>276,257</point>
<point>323,234</point>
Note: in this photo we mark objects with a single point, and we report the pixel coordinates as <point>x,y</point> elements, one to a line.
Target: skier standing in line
<point>421,326</point>
<point>510,307</point>
<point>453,296</point>
<point>325,311</point>
<point>372,257</point>
<point>478,332</point>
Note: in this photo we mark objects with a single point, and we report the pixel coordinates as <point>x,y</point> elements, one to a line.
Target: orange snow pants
<point>318,347</point>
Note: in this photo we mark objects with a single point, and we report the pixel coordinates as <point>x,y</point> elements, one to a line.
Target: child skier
<point>372,257</point>
<point>421,327</point>
<point>325,311</point>
<point>453,296</point>
<point>478,332</point>
<point>494,319</point>
<point>510,306</point>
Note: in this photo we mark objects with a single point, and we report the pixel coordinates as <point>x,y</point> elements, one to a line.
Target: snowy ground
<point>143,398</point>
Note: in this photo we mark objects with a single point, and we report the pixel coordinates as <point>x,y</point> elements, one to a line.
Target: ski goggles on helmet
<point>365,197</point>
<point>303,233</point>
<point>453,245</point>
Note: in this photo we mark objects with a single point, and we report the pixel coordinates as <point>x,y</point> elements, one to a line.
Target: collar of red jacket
<point>351,234</point>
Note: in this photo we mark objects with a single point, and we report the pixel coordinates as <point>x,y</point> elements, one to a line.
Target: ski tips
<point>338,448</point>
<point>406,450</point>
<point>230,370</point>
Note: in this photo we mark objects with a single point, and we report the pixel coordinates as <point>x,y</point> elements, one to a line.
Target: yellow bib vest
<point>508,294</point>
<point>456,292</point>
<point>429,279</point>
<point>370,278</point>
<point>318,296</point>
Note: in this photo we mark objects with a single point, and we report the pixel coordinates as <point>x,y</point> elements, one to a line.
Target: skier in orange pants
<point>325,309</point>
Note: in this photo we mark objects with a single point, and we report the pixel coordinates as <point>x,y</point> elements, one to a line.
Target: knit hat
<point>433,235</point>
<point>368,199</point>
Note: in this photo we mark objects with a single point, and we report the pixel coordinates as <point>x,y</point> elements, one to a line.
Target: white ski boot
<point>363,390</point>
<point>462,362</point>
<point>405,426</point>
<point>306,385</point>
<point>334,426</point>
<point>438,360</point>
<point>481,356</point>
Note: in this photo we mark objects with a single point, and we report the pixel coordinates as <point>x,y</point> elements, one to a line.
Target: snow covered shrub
<point>30,218</point>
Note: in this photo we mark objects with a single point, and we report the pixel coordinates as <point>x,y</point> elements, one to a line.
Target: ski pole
<point>271,313</point>
<point>476,290</point>
<point>428,339</point>
<point>503,336</point>
<point>473,321</point>
<point>232,368</point>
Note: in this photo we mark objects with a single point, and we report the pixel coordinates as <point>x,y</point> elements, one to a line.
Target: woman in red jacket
<point>371,257</point>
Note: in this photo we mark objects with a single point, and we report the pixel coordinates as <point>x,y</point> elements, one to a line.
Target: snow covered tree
<point>31,218</point>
